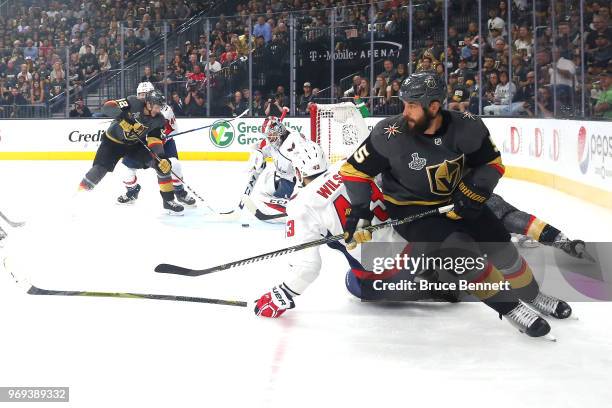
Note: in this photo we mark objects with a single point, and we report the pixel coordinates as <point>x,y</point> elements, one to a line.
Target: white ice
<point>331,350</point>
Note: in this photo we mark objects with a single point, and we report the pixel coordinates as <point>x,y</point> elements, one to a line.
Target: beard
<point>421,125</point>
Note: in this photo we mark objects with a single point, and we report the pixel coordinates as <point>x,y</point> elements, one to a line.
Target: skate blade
<point>547,337</point>
<point>128,204</point>
<point>175,214</point>
<point>194,205</point>
<point>545,316</point>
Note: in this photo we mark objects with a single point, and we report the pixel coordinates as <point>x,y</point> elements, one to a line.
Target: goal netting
<point>339,129</point>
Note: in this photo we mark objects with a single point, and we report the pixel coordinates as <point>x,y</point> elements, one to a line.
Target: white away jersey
<point>170,126</point>
<point>280,155</point>
<point>318,210</point>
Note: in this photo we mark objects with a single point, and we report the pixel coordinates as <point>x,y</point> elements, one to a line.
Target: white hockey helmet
<point>308,159</point>
<point>143,89</point>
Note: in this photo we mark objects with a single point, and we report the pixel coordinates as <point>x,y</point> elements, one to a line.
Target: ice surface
<point>331,350</point>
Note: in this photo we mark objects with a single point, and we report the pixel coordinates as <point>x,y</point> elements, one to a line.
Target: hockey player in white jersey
<point>318,210</point>
<point>270,186</point>
<point>130,179</point>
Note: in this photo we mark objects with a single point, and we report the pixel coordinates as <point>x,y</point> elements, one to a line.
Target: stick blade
<point>176,270</point>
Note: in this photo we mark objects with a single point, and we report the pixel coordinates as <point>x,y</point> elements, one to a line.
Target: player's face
<point>418,118</point>
<point>141,96</point>
<point>154,109</point>
<point>273,137</point>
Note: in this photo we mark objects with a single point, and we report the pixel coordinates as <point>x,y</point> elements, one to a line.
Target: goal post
<point>338,128</point>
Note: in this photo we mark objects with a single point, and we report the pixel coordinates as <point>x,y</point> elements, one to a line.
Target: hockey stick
<point>11,223</point>
<point>38,291</point>
<point>33,290</point>
<point>207,126</point>
<point>253,179</point>
<point>250,205</point>
<point>156,157</point>
<point>178,270</point>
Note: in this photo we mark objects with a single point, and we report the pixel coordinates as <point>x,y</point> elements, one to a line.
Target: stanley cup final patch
<point>417,162</point>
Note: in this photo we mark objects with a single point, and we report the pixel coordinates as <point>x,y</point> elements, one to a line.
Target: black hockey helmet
<point>155,98</point>
<point>423,87</point>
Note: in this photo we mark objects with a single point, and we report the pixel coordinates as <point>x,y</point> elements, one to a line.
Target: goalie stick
<point>11,223</point>
<point>250,205</point>
<point>178,270</point>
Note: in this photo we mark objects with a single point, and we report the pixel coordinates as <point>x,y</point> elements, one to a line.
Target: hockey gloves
<point>357,219</point>
<point>274,303</point>
<point>129,124</point>
<point>164,166</point>
<point>468,201</point>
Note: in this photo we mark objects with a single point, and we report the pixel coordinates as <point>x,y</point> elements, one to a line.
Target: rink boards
<point>571,156</point>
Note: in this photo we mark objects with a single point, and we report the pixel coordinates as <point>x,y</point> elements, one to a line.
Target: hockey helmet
<point>423,87</point>
<point>144,88</point>
<point>155,98</point>
<point>308,159</point>
<point>274,130</point>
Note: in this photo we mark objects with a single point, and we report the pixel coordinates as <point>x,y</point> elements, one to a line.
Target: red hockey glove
<point>275,302</point>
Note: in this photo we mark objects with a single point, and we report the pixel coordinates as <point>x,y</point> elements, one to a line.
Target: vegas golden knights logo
<point>444,177</point>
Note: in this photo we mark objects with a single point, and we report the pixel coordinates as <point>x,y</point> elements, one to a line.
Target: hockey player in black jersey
<point>427,157</point>
<point>134,119</point>
<point>532,230</point>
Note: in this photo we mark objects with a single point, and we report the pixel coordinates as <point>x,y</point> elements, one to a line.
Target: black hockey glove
<point>357,218</point>
<point>468,201</point>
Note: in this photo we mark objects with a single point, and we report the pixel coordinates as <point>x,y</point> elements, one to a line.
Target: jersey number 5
<point>361,154</point>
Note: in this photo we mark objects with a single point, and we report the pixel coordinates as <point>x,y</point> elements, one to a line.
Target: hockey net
<point>339,129</point>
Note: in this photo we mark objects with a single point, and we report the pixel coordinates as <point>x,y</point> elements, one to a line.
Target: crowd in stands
<point>509,56</point>
<point>48,45</point>
<point>32,69</point>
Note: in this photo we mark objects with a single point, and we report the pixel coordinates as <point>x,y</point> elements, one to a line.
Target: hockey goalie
<point>270,184</point>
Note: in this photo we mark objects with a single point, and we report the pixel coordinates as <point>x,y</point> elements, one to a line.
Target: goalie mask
<point>309,160</point>
<point>143,89</point>
<point>275,131</point>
